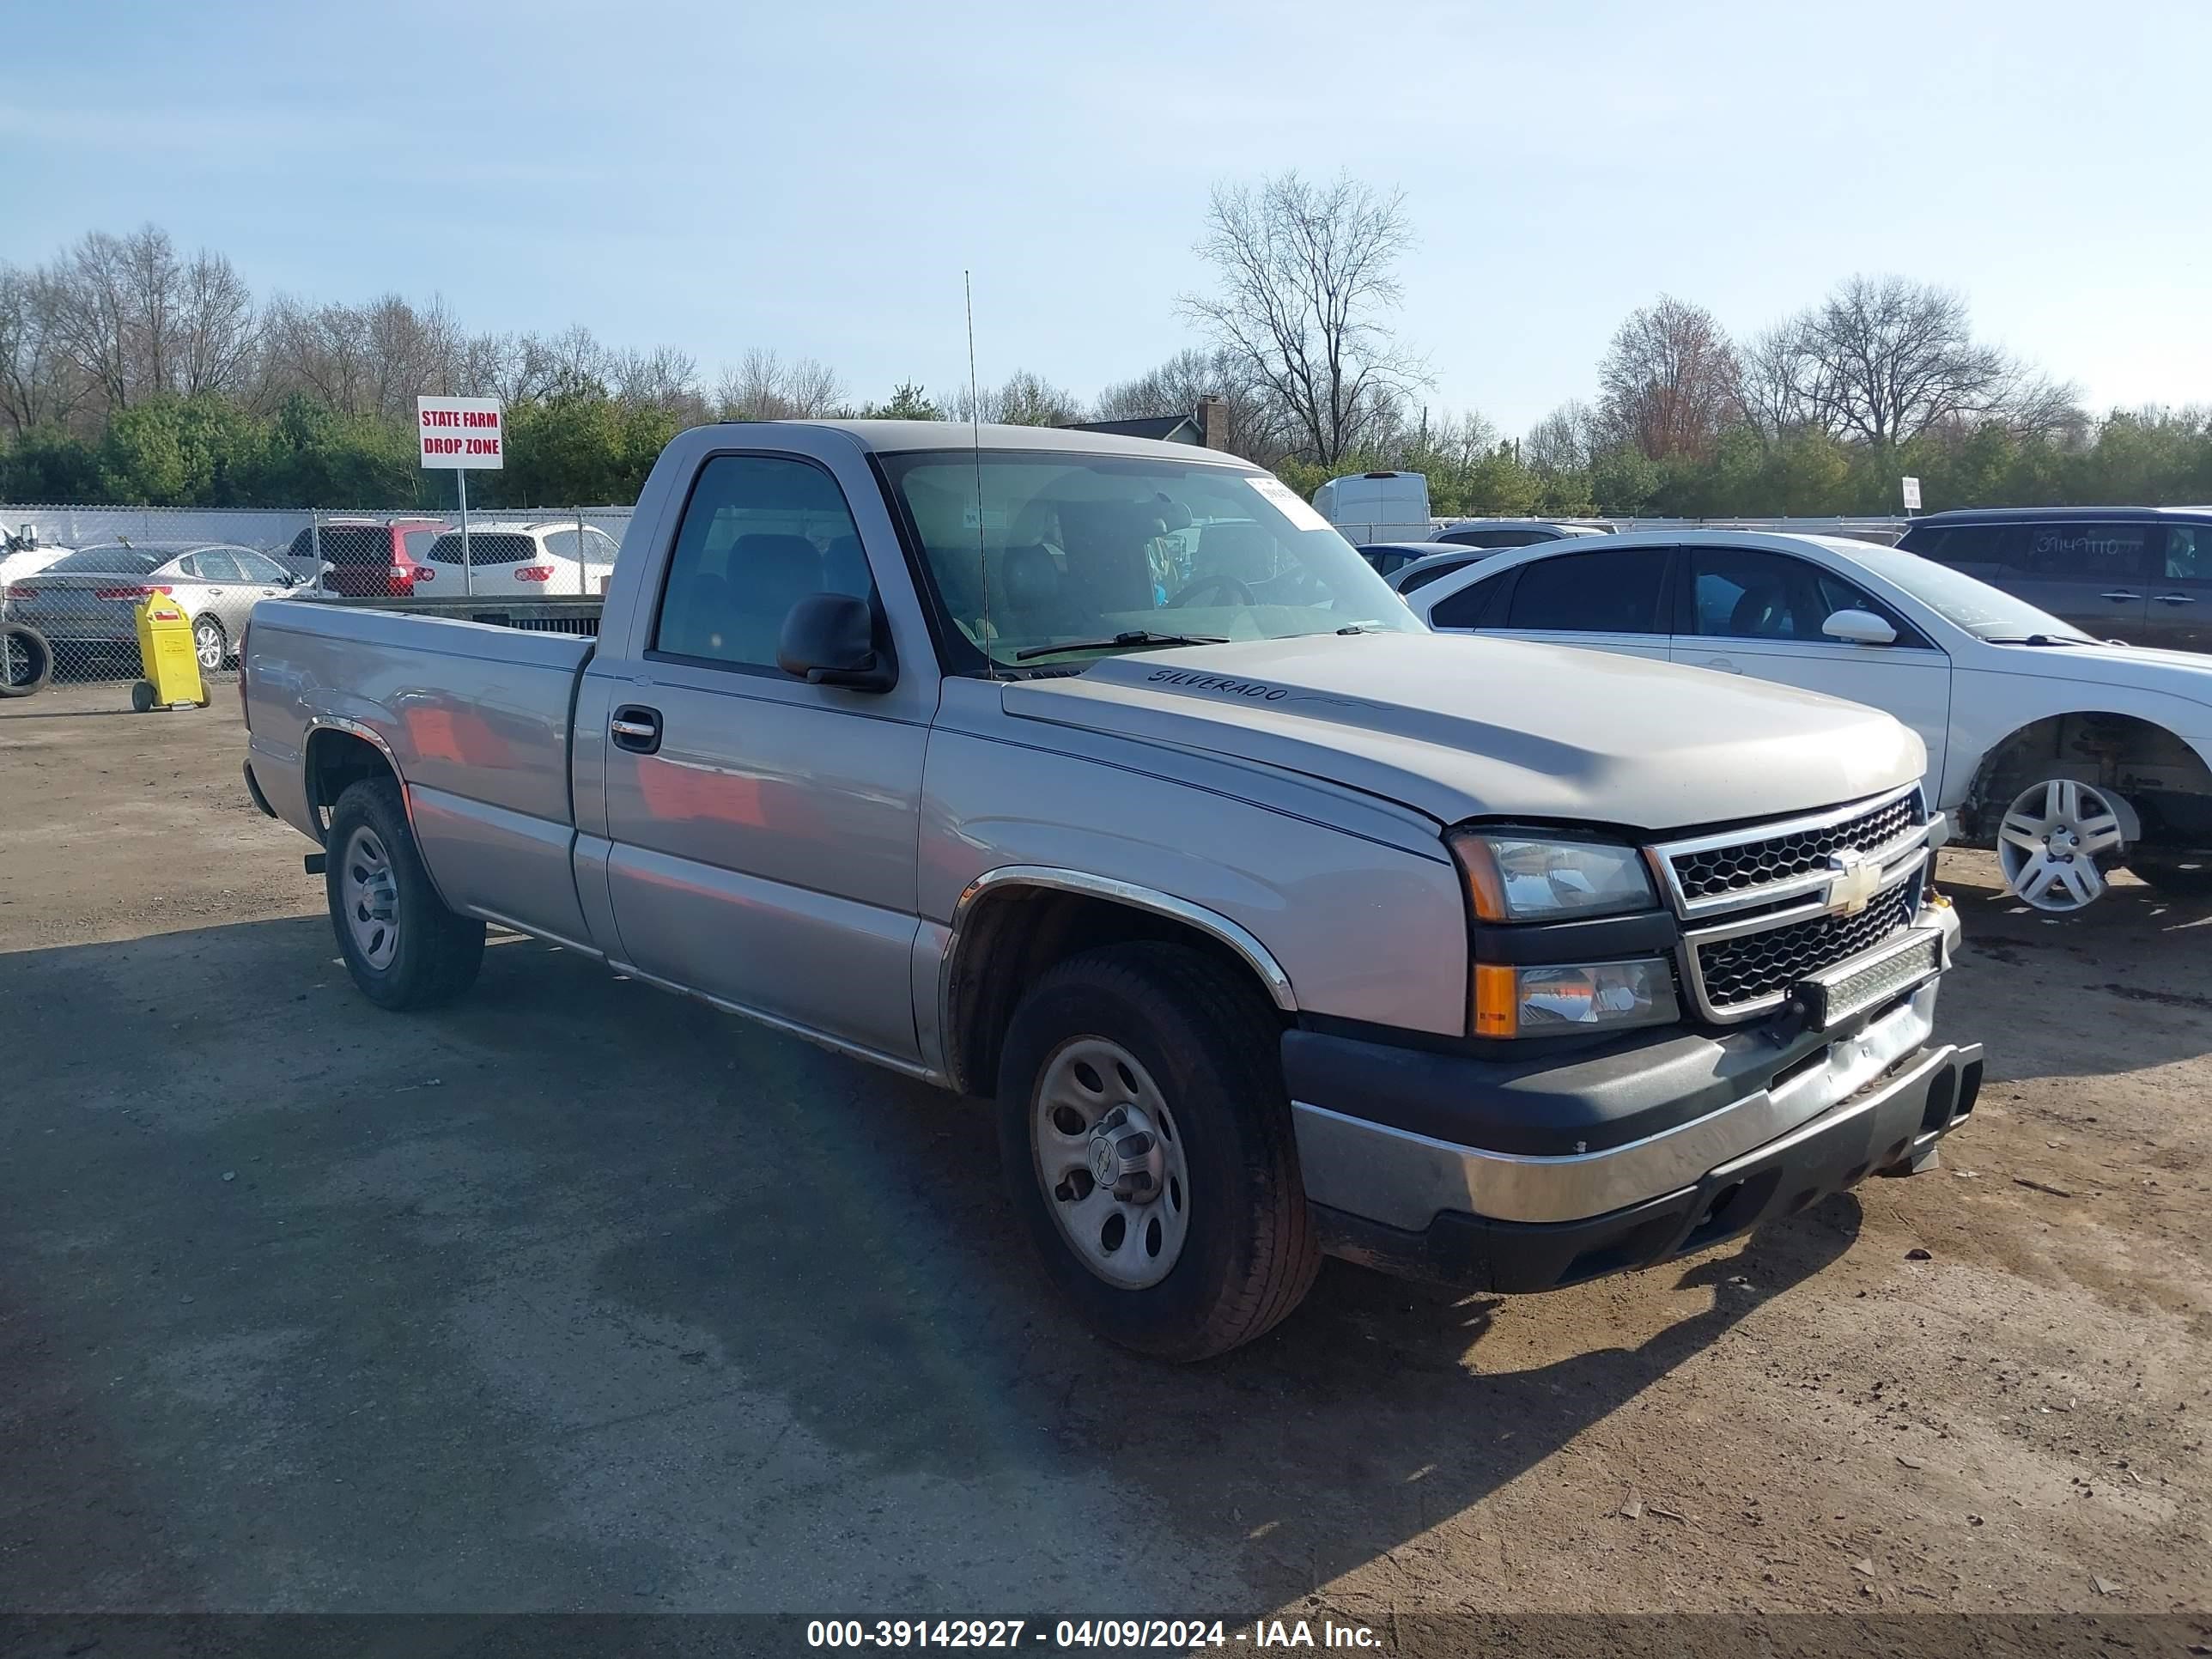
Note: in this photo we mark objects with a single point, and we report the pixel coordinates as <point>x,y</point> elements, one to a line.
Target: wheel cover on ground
<point>2049,840</point>
<point>1109,1156</point>
<point>372,898</point>
<point>207,644</point>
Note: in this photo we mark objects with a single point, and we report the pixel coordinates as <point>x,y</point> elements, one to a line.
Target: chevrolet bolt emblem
<point>1851,886</point>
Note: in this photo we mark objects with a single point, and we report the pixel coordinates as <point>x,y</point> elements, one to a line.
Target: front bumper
<point>1528,1175</point>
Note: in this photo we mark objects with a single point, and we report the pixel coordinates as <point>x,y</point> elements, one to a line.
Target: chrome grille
<point>1736,974</point>
<point>1745,866</point>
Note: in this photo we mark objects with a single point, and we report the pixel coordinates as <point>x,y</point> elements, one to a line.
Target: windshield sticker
<point>1287,502</point>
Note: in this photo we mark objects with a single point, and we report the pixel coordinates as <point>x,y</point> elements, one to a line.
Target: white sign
<point>469,432</point>
<point>1911,492</point>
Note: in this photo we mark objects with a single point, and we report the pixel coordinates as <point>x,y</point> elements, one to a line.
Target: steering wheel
<point>1237,592</point>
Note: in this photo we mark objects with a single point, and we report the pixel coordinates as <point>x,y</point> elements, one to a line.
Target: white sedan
<point>2069,754</point>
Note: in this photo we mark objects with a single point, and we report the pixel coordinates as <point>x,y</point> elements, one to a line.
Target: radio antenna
<point>975,440</point>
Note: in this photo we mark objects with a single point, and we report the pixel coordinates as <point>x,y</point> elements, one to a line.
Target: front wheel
<point>209,645</point>
<point>403,946</point>
<point>1147,1143</point>
<point>2049,840</point>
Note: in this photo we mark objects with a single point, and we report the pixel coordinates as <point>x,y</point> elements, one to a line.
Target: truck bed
<point>474,715</point>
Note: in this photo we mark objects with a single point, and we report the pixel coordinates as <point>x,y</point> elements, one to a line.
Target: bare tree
<point>664,378</point>
<point>217,331</point>
<point>38,381</point>
<point>1667,383</point>
<point>321,351</point>
<point>1026,399</point>
<point>1560,442</point>
<point>1886,358</point>
<point>92,315</point>
<point>1307,274</point>
<point>1174,387</point>
<point>1780,386</point>
<point>764,387</point>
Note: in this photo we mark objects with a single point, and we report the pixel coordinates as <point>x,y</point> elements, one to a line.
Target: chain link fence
<point>74,579</point>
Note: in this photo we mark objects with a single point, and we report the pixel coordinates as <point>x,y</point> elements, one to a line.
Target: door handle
<point>2173,598</point>
<point>635,728</point>
<point>2119,599</point>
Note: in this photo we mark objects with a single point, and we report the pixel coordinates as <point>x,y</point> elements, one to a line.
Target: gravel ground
<point>579,1296</point>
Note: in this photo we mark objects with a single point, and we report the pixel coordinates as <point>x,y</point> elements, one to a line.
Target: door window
<point>1613,592</point>
<point>760,534</point>
<point>2084,552</point>
<point>216,568</point>
<point>260,568</point>
<point>2189,552</point>
<point>1748,594</point>
<point>1475,605</point>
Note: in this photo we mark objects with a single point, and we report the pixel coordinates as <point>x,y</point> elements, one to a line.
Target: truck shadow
<point>725,1217</point>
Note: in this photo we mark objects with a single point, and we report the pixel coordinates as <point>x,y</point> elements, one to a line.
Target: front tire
<point>403,946</point>
<point>210,645</point>
<point>1146,1137</point>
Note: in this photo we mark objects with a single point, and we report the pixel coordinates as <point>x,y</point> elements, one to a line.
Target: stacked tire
<point>26,662</point>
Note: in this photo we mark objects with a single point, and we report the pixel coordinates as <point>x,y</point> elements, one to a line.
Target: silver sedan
<point>86,603</point>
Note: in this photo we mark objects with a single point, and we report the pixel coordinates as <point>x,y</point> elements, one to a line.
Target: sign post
<point>1912,495</point>
<point>468,435</point>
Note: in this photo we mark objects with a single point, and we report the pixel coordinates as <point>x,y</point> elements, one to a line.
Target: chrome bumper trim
<point>1406,1180</point>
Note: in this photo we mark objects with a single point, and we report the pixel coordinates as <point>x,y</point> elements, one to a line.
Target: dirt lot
<point>579,1296</point>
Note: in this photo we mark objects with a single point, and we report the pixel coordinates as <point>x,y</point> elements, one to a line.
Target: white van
<point>1377,507</point>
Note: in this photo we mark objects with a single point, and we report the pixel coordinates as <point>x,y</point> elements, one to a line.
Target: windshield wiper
<point>2044,639</point>
<point>1134,636</point>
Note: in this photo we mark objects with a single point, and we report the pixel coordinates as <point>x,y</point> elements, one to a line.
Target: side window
<point>560,543</point>
<point>218,567</point>
<point>1613,592</point>
<point>189,567</point>
<point>1966,546</point>
<point>1421,579</point>
<point>760,534</point>
<point>599,547</point>
<point>2085,552</point>
<point>1742,593</point>
<point>259,567</point>
<point>1472,606</point>
<point>2189,552</point>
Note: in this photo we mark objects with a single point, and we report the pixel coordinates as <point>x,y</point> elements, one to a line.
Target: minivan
<point>2139,574</point>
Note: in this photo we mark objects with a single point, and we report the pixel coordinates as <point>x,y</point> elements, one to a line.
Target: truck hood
<point>1459,727</point>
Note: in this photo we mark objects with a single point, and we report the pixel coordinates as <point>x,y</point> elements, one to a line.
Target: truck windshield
<point>1049,549</point>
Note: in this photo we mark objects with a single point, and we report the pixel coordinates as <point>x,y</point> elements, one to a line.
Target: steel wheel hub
<point>1110,1161</point>
<point>372,898</point>
<point>2049,842</point>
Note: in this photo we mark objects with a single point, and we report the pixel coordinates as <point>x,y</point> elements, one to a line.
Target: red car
<point>369,558</point>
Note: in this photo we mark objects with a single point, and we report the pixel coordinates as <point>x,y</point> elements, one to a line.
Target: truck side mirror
<point>829,639</point>
<point>1859,628</point>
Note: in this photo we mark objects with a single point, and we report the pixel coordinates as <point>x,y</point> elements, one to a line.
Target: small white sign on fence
<point>468,433</point>
<point>1911,492</point>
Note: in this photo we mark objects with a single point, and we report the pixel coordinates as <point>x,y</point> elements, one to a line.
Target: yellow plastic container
<point>165,646</point>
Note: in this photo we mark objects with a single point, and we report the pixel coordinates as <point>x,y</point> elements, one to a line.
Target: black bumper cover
<point>1919,1101</point>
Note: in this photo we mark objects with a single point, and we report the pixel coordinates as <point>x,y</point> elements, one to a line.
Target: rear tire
<point>1204,1048</point>
<point>210,645</point>
<point>26,662</point>
<point>403,946</point>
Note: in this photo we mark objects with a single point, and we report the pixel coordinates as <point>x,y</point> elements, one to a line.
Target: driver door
<point>1754,611</point>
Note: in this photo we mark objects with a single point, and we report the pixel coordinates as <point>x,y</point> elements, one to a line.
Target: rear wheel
<point>26,662</point>
<point>1147,1143</point>
<point>209,645</point>
<point>403,946</point>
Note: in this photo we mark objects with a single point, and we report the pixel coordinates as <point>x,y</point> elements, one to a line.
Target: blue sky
<point>814,178</point>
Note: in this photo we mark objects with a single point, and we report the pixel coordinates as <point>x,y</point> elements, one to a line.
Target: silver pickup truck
<point>1103,776</point>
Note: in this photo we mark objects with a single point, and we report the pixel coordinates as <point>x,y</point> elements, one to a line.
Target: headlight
<point>1521,879</point>
<point>1555,1000</point>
